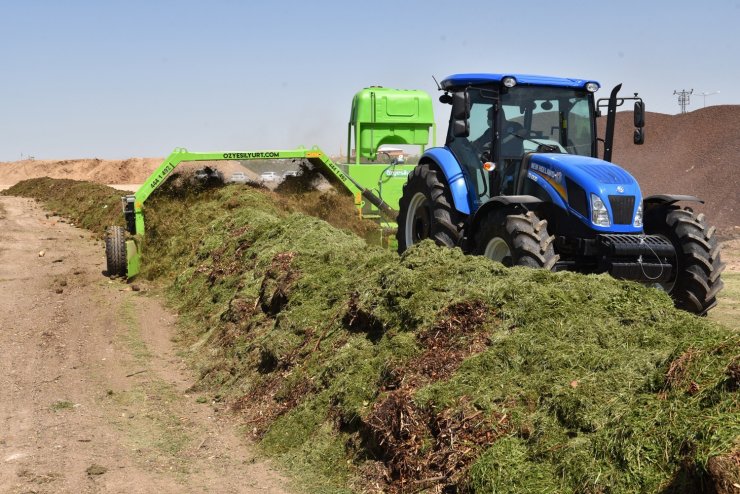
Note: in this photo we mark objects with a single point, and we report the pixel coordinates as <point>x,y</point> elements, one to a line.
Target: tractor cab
<point>496,122</point>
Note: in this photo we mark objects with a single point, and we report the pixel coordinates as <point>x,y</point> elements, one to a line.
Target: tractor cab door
<point>477,147</point>
<point>510,150</point>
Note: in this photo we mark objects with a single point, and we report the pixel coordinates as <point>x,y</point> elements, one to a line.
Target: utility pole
<point>705,94</point>
<point>683,98</point>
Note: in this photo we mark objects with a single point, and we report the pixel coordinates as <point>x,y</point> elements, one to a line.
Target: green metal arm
<point>134,205</point>
<point>314,155</point>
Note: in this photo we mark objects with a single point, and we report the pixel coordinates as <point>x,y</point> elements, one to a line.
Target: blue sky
<point>115,79</point>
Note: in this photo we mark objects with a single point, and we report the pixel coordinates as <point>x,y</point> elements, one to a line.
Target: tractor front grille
<point>622,209</point>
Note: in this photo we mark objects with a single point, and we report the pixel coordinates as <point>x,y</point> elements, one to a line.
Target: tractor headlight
<point>509,81</point>
<point>599,214</point>
<point>592,87</point>
<point>638,218</point>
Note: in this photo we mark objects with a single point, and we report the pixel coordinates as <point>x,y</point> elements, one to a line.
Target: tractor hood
<point>585,169</point>
<point>575,178</point>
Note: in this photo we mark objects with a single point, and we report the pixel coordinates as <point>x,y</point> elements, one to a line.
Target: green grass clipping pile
<point>437,372</point>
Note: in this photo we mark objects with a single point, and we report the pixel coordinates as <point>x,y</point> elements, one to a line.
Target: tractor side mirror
<point>460,105</point>
<point>460,114</point>
<point>460,128</point>
<point>639,136</point>
<point>639,114</point>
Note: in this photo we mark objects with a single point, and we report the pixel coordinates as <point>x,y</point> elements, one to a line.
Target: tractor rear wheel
<point>426,211</point>
<point>115,251</point>
<point>696,278</point>
<point>516,240</point>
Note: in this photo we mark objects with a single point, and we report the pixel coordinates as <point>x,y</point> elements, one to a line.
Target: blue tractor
<point>519,181</point>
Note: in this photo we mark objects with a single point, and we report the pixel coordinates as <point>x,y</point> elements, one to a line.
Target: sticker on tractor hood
<point>556,176</point>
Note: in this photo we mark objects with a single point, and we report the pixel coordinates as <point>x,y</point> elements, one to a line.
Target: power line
<point>705,94</point>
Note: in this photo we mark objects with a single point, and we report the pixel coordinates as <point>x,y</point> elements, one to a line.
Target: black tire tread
<point>447,224</point>
<point>115,251</point>
<point>699,263</point>
<point>526,235</point>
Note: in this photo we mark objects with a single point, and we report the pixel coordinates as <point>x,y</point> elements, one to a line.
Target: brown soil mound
<point>693,153</point>
<point>129,171</point>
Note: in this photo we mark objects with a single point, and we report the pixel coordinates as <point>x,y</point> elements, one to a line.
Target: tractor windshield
<point>553,116</point>
<point>504,124</point>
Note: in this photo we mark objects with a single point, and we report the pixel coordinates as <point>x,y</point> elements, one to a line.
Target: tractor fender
<point>443,159</point>
<point>502,202</point>
<point>669,199</point>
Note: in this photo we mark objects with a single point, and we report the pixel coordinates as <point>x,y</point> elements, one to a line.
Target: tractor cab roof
<point>462,80</point>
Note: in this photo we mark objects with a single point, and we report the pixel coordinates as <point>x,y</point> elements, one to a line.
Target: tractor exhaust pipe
<point>611,117</point>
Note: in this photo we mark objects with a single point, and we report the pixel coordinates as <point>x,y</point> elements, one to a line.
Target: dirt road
<point>93,398</point>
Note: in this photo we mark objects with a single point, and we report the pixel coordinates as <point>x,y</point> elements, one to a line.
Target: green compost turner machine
<point>380,116</point>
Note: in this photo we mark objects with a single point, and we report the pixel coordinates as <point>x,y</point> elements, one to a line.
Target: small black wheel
<point>426,211</point>
<point>696,280</point>
<point>516,240</point>
<point>115,251</point>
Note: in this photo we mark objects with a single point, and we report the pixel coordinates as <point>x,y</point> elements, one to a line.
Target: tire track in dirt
<point>93,397</point>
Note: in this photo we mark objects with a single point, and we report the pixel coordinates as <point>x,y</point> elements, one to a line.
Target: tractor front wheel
<point>426,211</point>
<point>696,278</point>
<point>115,251</point>
<point>516,240</point>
